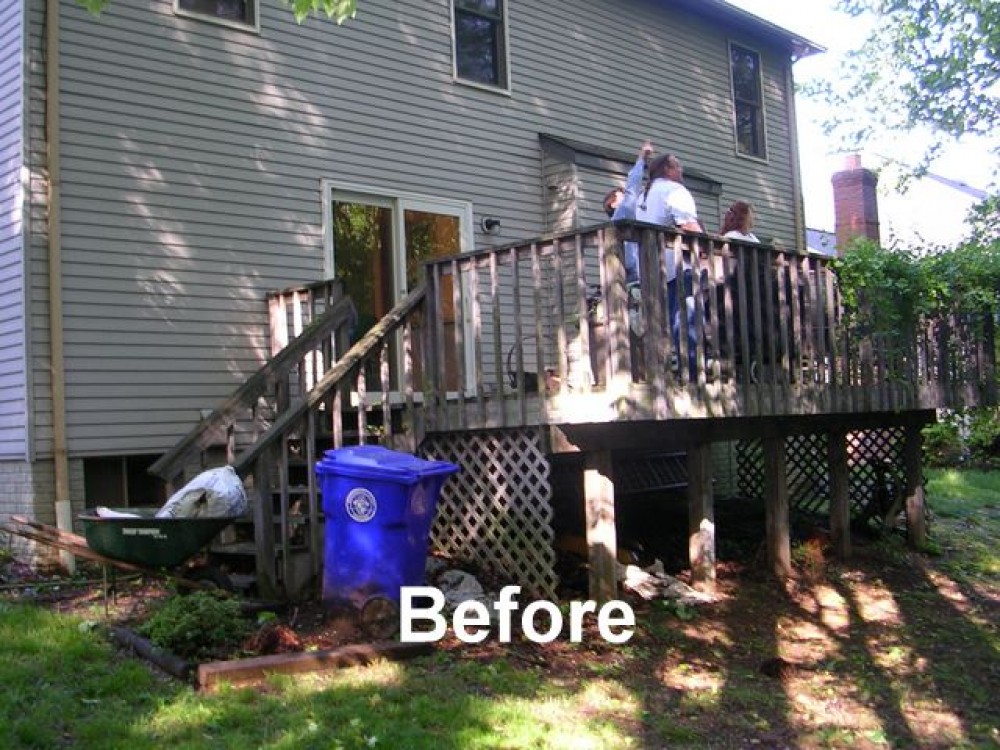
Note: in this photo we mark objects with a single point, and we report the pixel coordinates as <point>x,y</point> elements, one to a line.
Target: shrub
<point>984,438</point>
<point>198,626</point>
<point>884,290</point>
<point>942,444</point>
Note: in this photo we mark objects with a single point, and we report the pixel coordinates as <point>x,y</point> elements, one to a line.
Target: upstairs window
<point>239,13</point>
<point>748,103</point>
<point>480,38</point>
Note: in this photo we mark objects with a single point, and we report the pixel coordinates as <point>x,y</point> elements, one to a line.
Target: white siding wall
<point>13,401</point>
<point>193,154</point>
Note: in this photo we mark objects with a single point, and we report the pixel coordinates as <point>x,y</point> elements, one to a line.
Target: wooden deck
<point>552,335</point>
<point>504,357</point>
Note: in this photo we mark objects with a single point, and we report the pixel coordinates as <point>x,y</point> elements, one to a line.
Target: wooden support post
<point>701,517</point>
<point>916,518</point>
<point>602,543</point>
<point>840,504</point>
<point>779,548</point>
<point>263,521</point>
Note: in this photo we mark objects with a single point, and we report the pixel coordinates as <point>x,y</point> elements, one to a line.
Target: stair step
<point>243,581</point>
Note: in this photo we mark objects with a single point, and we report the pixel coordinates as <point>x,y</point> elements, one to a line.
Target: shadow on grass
<point>883,651</point>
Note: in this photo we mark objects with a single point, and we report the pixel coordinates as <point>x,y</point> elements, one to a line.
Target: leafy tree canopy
<point>338,10</point>
<point>934,63</point>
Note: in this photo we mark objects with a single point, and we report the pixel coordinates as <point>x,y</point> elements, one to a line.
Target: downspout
<point>63,505</point>
<point>793,131</point>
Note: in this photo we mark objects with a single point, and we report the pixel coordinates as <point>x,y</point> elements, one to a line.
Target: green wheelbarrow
<point>137,536</point>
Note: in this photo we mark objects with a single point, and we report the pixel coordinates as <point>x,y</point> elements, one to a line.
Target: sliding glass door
<point>377,245</point>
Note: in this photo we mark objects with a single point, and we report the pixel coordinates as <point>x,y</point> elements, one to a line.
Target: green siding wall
<point>193,155</point>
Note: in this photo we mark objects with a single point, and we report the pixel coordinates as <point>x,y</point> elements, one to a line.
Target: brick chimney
<point>854,203</point>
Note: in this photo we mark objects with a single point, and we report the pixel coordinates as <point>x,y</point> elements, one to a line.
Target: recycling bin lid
<point>379,462</point>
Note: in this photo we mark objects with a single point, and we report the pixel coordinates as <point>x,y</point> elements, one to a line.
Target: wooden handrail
<point>325,286</point>
<point>373,339</point>
<point>340,314</point>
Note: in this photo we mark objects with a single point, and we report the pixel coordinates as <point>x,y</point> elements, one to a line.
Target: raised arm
<point>633,184</point>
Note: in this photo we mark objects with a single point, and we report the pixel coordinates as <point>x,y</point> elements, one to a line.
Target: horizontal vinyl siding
<point>666,79</point>
<point>192,157</point>
<point>13,385</point>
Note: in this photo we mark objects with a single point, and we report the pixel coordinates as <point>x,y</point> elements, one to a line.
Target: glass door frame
<point>399,203</point>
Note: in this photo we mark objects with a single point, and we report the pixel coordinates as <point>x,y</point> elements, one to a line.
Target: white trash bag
<point>216,493</point>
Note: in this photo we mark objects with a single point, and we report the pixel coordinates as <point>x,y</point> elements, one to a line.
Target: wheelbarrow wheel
<point>380,618</point>
<point>209,577</point>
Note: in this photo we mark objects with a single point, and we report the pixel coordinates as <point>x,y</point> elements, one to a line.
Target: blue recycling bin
<point>379,505</point>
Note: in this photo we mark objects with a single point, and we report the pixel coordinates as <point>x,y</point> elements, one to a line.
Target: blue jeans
<point>673,311</point>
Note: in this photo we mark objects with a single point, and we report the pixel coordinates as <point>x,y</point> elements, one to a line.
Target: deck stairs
<point>318,391</point>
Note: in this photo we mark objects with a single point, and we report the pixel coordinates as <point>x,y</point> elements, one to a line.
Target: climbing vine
<point>886,291</point>
<point>889,289</point>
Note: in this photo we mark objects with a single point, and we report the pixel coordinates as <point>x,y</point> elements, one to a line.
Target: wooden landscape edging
<point>168,662</point>
<point>212,675</point>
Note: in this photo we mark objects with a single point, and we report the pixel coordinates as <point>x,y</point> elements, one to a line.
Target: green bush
<point>964,437</point>
<point>884,290</point>
<point>984,438</point>
<point>942,444</point>
<point>198,626</point>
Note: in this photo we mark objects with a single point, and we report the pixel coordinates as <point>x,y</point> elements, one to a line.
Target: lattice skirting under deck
<point>875,464</point>
<point>497,511</point>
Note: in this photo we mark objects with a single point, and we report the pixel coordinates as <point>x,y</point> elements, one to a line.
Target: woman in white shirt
<point>738,222</point>
<point>666,201</point>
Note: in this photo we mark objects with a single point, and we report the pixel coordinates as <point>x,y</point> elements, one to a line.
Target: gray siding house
<point>204,154</point>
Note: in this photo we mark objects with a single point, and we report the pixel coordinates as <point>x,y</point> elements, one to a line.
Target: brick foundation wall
<point>28,489</point>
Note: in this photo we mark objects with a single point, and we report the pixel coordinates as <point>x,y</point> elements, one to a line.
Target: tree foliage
<point>934,63</point>
<point>338,10</point>
<point>882,289</point>
<point>888,289</point>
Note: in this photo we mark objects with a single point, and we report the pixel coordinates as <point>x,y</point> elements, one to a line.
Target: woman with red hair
<point>738,222</point>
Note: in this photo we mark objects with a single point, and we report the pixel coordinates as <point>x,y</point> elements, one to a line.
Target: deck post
<point>602,544</point>
<point>916,519</point>
<point>701,517</point>
<point>840,506</point>
<point>263,522</point>
<point>779,548</point>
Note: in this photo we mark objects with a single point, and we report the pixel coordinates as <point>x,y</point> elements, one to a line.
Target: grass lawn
<point>892,649</point>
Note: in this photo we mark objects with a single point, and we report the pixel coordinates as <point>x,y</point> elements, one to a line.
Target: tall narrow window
<point>748,103</point>
<point>480,42</point>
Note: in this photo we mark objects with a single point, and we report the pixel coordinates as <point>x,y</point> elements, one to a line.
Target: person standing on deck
<point>738,222</point>
<point>619,204</point>
<point>667,202</point>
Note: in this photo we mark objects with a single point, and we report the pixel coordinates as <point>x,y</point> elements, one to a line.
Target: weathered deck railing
<point>550,331</point>
<point>317,388</point>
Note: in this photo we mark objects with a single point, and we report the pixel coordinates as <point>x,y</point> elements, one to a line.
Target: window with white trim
<point>748,102</point>
<point>240,13</point>
<point>480,42</point>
